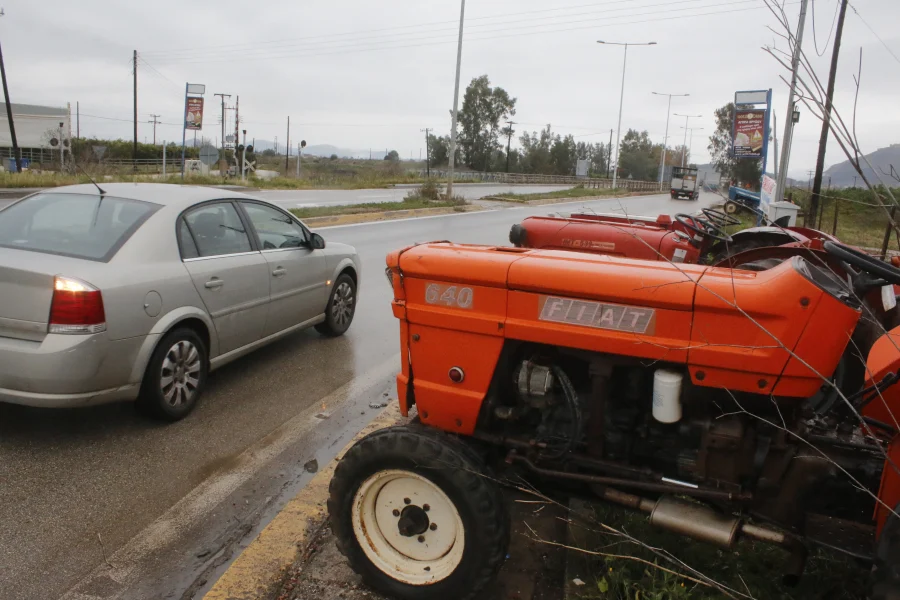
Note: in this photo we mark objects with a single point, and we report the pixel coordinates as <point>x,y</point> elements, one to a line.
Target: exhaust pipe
<point>702,523</point>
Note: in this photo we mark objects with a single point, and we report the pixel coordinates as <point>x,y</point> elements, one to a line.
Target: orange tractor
<point>723,403</point>
<point>701,238</point>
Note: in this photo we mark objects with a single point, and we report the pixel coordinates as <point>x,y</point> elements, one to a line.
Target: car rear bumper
<point>68,370</point>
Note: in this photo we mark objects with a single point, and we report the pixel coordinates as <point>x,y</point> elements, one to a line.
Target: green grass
<point>575,192</point>
<point>860,221</point>
<point>754,566</point>
<point>376,207</point>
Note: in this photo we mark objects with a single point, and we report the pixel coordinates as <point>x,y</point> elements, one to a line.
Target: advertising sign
<point>193,115</point>
<point>767,193</point>
<point>581,168</point>
<point>749,133</point>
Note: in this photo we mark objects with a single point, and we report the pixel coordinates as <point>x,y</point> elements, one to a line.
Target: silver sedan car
<point>137,291</point>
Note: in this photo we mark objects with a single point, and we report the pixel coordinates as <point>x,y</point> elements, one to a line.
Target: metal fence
<point>536,179</point>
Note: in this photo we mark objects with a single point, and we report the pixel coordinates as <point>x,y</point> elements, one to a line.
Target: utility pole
<point>134,151</point>
<point>789,120</point>
<point>686,127</point>
<point>826,120</point>
<point>154,121</point>
<point>427,153</point>
<point>609,153</point>
<point>462,18</point>
<point>689,148</point>
<point>509,132</point>
<point>662,160</point>
<point>78,120</point>
<point>287,148</point>
<point>775,145</point>
<point>223,96</point>
<point>276,144</point>
<point>299,157</point>
<point>9,115</point>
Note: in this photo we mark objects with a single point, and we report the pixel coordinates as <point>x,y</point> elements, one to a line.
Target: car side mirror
<point>316,241</point>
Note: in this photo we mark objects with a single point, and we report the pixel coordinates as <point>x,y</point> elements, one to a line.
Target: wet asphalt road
<point>161,503</point>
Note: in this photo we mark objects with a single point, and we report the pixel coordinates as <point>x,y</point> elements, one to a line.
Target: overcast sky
<point>361,74</point>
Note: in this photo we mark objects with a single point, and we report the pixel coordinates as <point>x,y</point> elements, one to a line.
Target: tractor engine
<point>624,424</point>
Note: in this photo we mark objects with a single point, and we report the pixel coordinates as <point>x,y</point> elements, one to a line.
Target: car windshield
<point>77,225</point>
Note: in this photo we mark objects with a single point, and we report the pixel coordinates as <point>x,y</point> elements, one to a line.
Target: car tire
<point>453,532</point>
<point>886,571</point>
<point>340,309</point>
<point>175,377</point>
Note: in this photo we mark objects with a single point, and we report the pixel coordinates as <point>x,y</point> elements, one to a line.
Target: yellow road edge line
<point>272,552</point>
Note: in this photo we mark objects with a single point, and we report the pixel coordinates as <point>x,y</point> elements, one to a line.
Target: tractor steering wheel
<point>864,262</point>
<point>719,218</point>
<point>703,228</point>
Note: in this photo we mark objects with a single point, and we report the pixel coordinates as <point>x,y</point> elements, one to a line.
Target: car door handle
<point>214,284</point>
<point>279,272</point>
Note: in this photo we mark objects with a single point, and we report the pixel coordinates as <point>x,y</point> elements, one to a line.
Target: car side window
<point>218,230</point>
<point>274,228</point>
<point>186,241</point>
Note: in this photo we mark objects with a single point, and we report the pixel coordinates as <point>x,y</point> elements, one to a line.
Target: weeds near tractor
<point>432,192</point>
<point>575,192</point>
<point>752,568</point>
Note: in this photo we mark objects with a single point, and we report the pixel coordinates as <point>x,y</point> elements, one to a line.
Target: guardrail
<point>534,178</point>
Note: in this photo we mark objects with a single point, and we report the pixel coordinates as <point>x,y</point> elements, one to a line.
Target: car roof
<point>166,194</point>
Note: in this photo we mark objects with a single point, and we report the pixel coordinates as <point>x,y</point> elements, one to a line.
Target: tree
<point>536,150</point>
<point>638,157</point>
<point>333,157</point>
<point>745,171</point>
<point>392,156</point>
<point>563,156</point>
<point>482,111</point>
<point>438,150</point>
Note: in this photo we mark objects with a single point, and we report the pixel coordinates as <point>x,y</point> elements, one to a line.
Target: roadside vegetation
<point>749,568</point>
<point>860,221</point>
<point>576,192</point>
<point>427,195</point>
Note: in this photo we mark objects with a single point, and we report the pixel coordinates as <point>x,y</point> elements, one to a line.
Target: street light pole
<point>662,160</point>
<point>452,161</point>
<point>687,118</point>
<point>691,136</point>
<point>622,96</point>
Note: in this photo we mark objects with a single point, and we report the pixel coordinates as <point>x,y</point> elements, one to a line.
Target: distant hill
<point>842,174</point>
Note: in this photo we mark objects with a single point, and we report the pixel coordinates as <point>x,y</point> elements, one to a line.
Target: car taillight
<point>77,307</point>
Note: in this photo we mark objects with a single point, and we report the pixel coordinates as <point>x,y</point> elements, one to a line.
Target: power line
<point>886,47</point>
<point>830,31</point>
<point>371,48</point>
<point>453,23</point>
<point>152,68</point>
<point>422,32</point>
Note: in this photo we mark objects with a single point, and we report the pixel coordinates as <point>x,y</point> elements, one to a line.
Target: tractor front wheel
<point>417,515</point>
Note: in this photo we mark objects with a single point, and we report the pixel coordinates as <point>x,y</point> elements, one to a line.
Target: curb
<point>258,570</point>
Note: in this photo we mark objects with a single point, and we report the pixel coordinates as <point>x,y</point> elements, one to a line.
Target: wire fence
<point>534,178</point>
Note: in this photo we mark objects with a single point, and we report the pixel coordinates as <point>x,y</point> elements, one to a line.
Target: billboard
<point>749,133</point>
<point>193,114</point>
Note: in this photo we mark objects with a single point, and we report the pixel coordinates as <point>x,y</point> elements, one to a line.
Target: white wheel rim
<point>390,500</point>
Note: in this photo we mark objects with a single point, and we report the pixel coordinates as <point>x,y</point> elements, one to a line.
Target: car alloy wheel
<point>342,306</point>
<point>180,376</point>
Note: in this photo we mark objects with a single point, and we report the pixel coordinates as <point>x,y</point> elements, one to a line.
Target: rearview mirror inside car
<point>317,242</point>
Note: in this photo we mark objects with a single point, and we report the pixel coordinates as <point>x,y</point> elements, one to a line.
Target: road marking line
<point>125,565</point>
<point>262,564</point>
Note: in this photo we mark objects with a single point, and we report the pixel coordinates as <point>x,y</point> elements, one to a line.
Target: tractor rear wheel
<point>417,515</point>
<point>886,572</point>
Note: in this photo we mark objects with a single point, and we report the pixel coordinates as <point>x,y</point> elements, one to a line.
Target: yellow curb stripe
<point>262,563</point>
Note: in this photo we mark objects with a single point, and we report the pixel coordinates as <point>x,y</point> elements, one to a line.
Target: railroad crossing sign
<point>209,155</point>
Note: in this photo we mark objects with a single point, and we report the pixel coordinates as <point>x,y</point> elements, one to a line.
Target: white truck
<point>684,183</point>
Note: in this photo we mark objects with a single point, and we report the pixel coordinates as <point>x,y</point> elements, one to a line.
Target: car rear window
<point>77,225</point>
